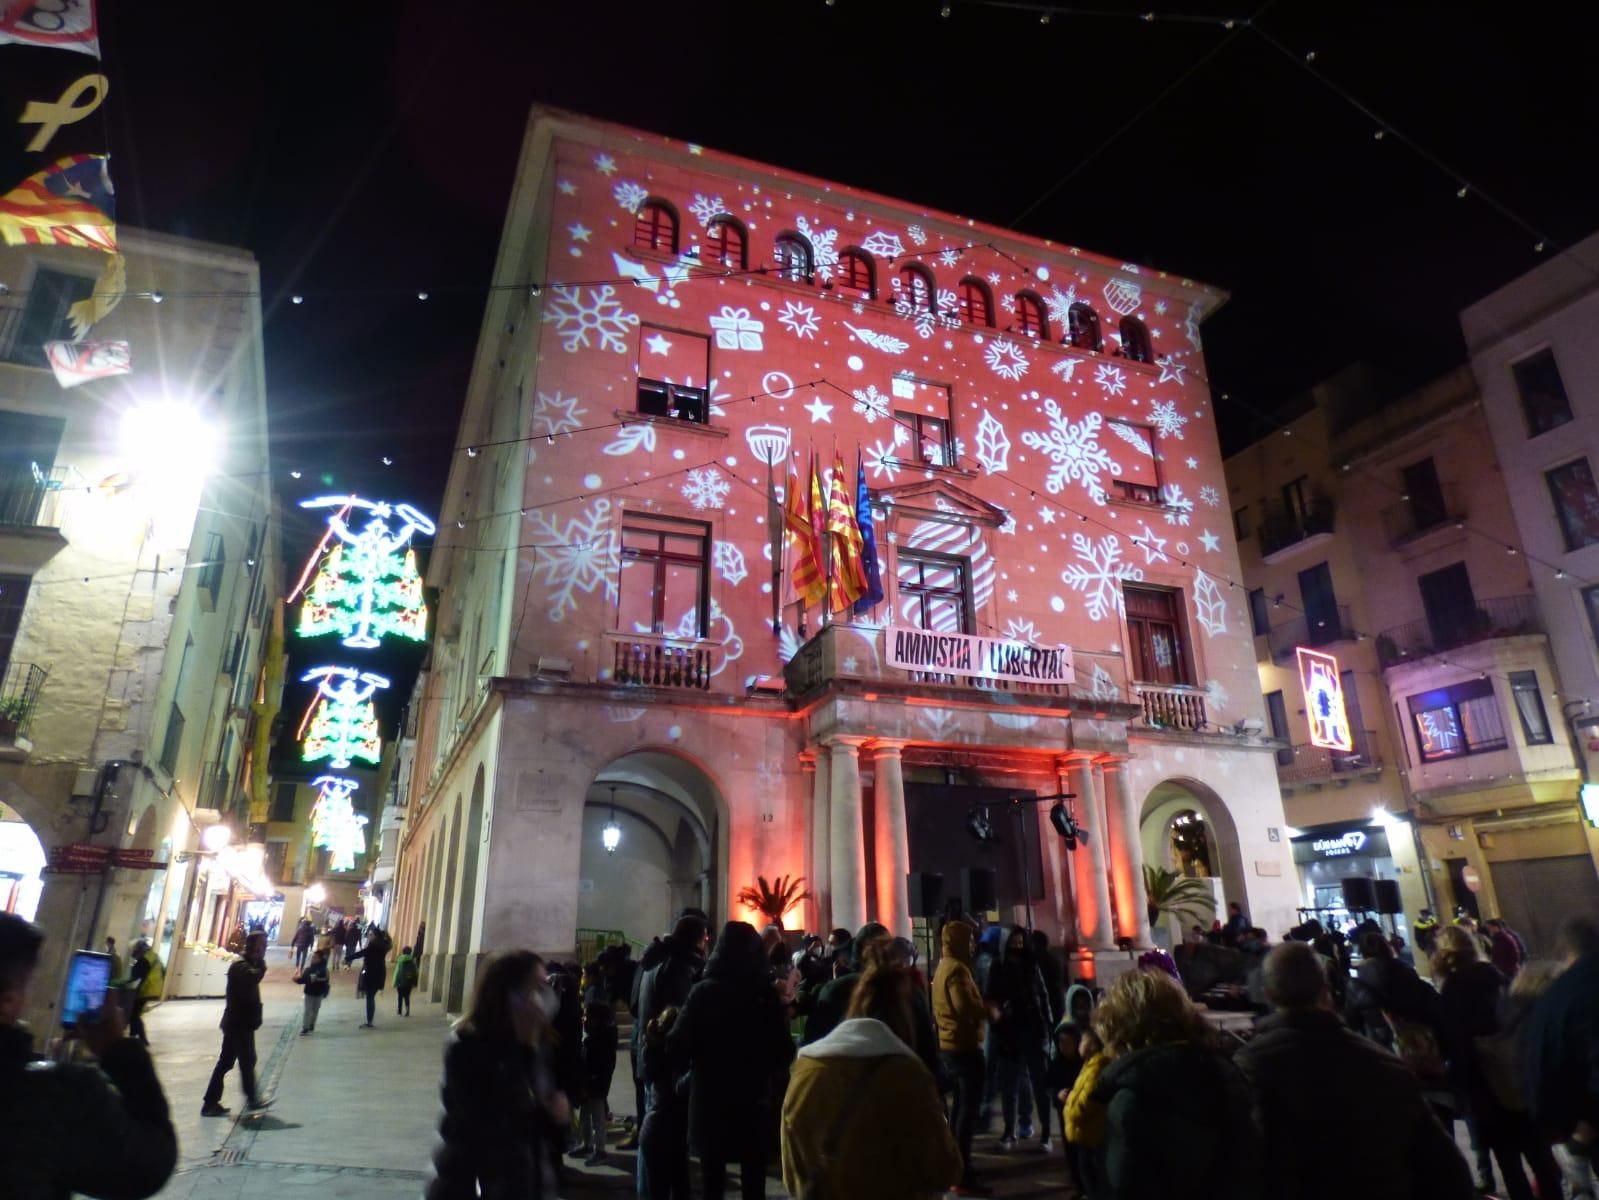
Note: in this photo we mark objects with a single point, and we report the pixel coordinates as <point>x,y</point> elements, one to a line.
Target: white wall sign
<point>980,657</point>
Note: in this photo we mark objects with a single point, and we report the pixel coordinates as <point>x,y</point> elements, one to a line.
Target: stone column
<point>1126,853</point>
<point>847,866</point>
<point>815,763</point>
<point>1092,891</point>
<point>892,839</point>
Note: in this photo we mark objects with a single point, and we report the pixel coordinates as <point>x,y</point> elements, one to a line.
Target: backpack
<point>405,974</point>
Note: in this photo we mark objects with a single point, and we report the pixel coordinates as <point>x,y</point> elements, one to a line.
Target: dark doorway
<point>1464,897</point>
<point>1321,605</point>
<point>940,843</point>
<point>1451,606</point>
<point>1425,495</point>
<point>1277,714</point>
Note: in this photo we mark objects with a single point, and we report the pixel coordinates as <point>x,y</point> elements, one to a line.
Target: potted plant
<point>13,711</point>
<point>774,900</point>
<point>1168,893</point>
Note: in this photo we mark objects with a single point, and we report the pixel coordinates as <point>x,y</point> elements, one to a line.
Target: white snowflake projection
<point>788,644</point>
<point>706,487</point>
<point>555,413</point>
<point>881,460</point>
<point>1064,368</point>
<point>580,312</point>
<point>878,341</point>
<point>1163,648</point>
<point>579,555</point>
<point>1168,422</point>
<point>1133,437</point>
<point>672,274</point>
<point>1124,296</point>
<point>799,318</point>
<point>921,318</point>
<point>1216,697</point>
<point>949,312</point>
<point>916,234</point>
<point>1160,308</point>
<point>1005,360</point>
<point>706,208</point>
<point>1171,370</point>
<point>872,403</point>
<point>630,438</point>
<point>1059,304</point>
<point>1008,302</point>
<point>993,278</point>
<point>1111,379</point>
<point>1209,495</point>
<point>629,195</point>
<point>1100,574</point>
<point>824,246</point>
<point>1191,326</point>
<point>1022,631</point>
<point>605,164</point>
<point>728,560</point>
<point>736,329</point>
<point>1210,606</point>
<point>1101,686</point>
<point>992,444</point>
<point>949,257</point>
<point>1154,547</point>
<point>1179,508</point>
<point>886,245</point>
<point>1074,450</point>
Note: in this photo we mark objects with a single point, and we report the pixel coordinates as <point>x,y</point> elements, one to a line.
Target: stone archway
<point>1173,799</point>
<point>460,951</point>
<point>22,860</point>
<point>673,848</point>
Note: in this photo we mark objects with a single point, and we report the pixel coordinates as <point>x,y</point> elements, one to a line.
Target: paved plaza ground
<point>355,1110</point>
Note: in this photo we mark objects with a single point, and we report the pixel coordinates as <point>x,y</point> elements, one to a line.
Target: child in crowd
<point>663,1138</point>
<point>315,978</point>
<point>405,975</point>
<point>1066,1063</point>
<point>599,1066</point>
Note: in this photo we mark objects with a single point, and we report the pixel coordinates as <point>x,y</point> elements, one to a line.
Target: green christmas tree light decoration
<point>335,825</point>
<point>368,586</point>
<point>344,725</point>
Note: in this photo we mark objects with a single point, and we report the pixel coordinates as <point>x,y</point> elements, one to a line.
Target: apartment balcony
<point>215,790</point>
<point>1306,765</point>
<point>1406,521</point>
<point>30,517</point>
<point>1506,616</point>
<point>1180,709</point>
<point>1302,631</point>
<point>655,661</point>
<point>20,685</point>
<point>1284,532</point>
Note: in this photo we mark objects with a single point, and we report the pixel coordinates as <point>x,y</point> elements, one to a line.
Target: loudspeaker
<point>1388,897</point>
<point>926,892</point>
<point>977,889</point>
<point>1360,893</point>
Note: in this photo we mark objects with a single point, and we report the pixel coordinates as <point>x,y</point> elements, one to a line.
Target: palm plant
<point>774,900</point>
<point>1170,893</point>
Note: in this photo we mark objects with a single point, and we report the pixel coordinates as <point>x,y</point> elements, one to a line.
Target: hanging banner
<point>56,24</point>
<point>978,657</point>
<point>75,363</point>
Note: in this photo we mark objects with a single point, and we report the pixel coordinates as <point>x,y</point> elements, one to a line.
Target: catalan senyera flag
<point>810,584</point>
<point>818,512</point>
<point>70,203</point>
<point>847,578</point>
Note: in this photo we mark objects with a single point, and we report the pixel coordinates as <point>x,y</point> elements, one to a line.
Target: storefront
<point>1348,872</point>
<point>21,864</point>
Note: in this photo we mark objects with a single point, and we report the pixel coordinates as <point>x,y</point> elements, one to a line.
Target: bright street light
<point>167,441</point>
<point>215,837</point>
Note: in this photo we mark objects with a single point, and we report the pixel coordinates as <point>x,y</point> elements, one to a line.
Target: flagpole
<point>775,540</point>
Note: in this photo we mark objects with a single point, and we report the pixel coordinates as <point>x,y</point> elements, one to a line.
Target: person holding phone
<point>97,1129</point>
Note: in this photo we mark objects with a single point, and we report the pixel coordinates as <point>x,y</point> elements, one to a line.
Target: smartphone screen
<point>88,978</point>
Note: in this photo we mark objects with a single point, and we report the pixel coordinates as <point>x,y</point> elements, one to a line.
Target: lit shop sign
<point>1590,803</point>
<point>1324,700</point>
<point>1352,843</point>
<point>979,657</point>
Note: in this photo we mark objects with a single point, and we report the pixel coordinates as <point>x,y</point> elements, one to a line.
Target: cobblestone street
<point>354,1110</point>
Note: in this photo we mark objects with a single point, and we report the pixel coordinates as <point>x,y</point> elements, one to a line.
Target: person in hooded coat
<point>962,1019</point>
<point>669,968</point>
<point>862,1115</point>
<point>1381,985</point>
<point>833,1001</point>
<point>732,1034</point>
<point>1178,1116</point>
<point>1019,1007</point>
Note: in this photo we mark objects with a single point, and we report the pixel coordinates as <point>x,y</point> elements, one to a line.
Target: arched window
<point>794,259</point>
<point>655,227</point>
<point>1030,319</point>
<point>857,273</point>
<point>916,287</point>
<point>1083,331</point>
<point>726,244</point>
<point>1135,340</point>
<point>975,301</point>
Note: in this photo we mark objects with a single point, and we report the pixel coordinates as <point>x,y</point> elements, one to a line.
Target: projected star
<point>1210,541</point>
<point>820,411</point>
<point>579,234</point>
<point>658,344</point>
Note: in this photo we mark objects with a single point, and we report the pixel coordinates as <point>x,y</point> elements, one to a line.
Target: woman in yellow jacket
<point>862,1116</point>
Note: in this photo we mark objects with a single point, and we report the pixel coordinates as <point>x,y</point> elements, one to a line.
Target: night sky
<point>366,152</point>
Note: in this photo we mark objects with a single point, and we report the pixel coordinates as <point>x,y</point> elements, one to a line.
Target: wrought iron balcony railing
<point>20,685</point>
<point>1504,616</point>
<point>1305,763</point>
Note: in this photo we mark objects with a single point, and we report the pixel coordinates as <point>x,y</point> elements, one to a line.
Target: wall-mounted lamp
<point>611,835</point>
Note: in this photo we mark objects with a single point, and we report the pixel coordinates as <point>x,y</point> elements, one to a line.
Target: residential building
<point>1382,535</point>
<point>138,569</point>
<point>625,712</point>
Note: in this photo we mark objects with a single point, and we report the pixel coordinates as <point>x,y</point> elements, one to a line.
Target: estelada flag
<point>810,585</point>
<point>70,203</point>
<point>847,578</point>
<point>57,25</point>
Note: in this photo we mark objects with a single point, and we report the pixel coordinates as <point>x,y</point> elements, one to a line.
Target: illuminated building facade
<point>1386,540</point>
<point>1036,438</point>
<point>140,641</point>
